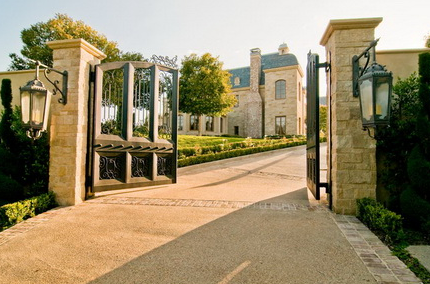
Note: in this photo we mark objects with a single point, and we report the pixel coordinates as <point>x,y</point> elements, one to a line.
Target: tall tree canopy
<point>204,86</point>
<point>58,28</point>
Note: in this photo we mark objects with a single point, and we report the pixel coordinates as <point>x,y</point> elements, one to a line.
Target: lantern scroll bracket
<point>358,71</point>
<point>47,70</point>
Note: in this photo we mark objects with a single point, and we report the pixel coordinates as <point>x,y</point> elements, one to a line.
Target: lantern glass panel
<point>366,99</point>
<point>382,97</point>
<point>25,107</point>
<point>38,111</point>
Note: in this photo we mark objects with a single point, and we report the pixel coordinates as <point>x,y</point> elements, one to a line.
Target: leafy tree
<point>323,119</point>
<point>418,164</point>
<point>59,28</point>
<point>24,163</point>
<point>204,86</point>
<point>394,143</point>
<point>6,133</point>
<point>419,159</point>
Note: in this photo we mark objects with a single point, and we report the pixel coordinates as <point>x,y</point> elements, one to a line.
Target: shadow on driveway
<point>251,246</point>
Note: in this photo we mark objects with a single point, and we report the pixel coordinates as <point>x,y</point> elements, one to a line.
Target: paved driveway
<point>242,220</point>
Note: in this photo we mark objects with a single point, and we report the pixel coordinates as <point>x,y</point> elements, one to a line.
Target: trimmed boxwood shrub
<point>379,219</point>
<point>11,214</point>
<point>193,160</point>
<point>203,150</point>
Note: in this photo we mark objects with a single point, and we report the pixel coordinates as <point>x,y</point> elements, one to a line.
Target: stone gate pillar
<point>351,157</point>
<point>68,128</point>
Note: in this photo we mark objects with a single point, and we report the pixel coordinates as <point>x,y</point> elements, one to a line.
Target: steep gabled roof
<point>243,73</point>
<point>268,61</point>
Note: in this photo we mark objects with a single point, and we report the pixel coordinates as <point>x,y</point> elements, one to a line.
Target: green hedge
<point>222,147</point>
<point>193,160</point>
<point>379,219</point>
<point>11,214</point>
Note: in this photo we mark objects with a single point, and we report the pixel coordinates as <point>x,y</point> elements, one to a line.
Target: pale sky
<point>224,28</point>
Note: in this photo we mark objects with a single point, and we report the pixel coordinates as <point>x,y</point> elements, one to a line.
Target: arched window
<point>280,89</point>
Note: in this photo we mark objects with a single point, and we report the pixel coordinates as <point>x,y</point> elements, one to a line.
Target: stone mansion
<point>270,100</point>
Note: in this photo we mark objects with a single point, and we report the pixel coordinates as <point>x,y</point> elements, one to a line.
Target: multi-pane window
<point>180,122</point>
<point>300,92</point>
<point>194,122</point>
<point>280,125</point>
<point>209,123</point>
<point>280,89</point>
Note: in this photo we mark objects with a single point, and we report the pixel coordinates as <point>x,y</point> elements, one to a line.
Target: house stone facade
<point>270,94</point>
<point>271,99</point>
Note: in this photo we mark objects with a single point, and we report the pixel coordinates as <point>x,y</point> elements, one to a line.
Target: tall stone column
<point>351,157</point>
<point>254,103</point>
<point>68,128</point>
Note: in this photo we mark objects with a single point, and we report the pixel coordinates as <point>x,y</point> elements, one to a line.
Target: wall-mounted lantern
<point>35,101</point>
<point>373,85</point>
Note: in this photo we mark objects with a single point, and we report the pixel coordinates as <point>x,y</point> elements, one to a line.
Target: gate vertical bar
<point>90,134</point>
<point>155,89</point>
<point>128,115</point>
<point>175,106</point>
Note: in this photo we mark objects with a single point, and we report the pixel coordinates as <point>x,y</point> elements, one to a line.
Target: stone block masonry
<point>68,129</point>
<point>352,166</point>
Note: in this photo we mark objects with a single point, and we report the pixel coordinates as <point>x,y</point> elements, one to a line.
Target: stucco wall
<point>402,62</point>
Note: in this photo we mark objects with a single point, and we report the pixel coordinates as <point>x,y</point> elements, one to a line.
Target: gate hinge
<point>326,186</point>
<point>324,65</point>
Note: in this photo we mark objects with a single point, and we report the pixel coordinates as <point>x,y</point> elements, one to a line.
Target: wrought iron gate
<point>134,135</point>
<point>313,131</point>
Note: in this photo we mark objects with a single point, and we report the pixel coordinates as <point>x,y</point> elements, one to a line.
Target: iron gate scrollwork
<point>135,124</point>
<point>313,131</point>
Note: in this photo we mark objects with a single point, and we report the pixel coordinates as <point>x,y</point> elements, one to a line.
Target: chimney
<point>255,70</point>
